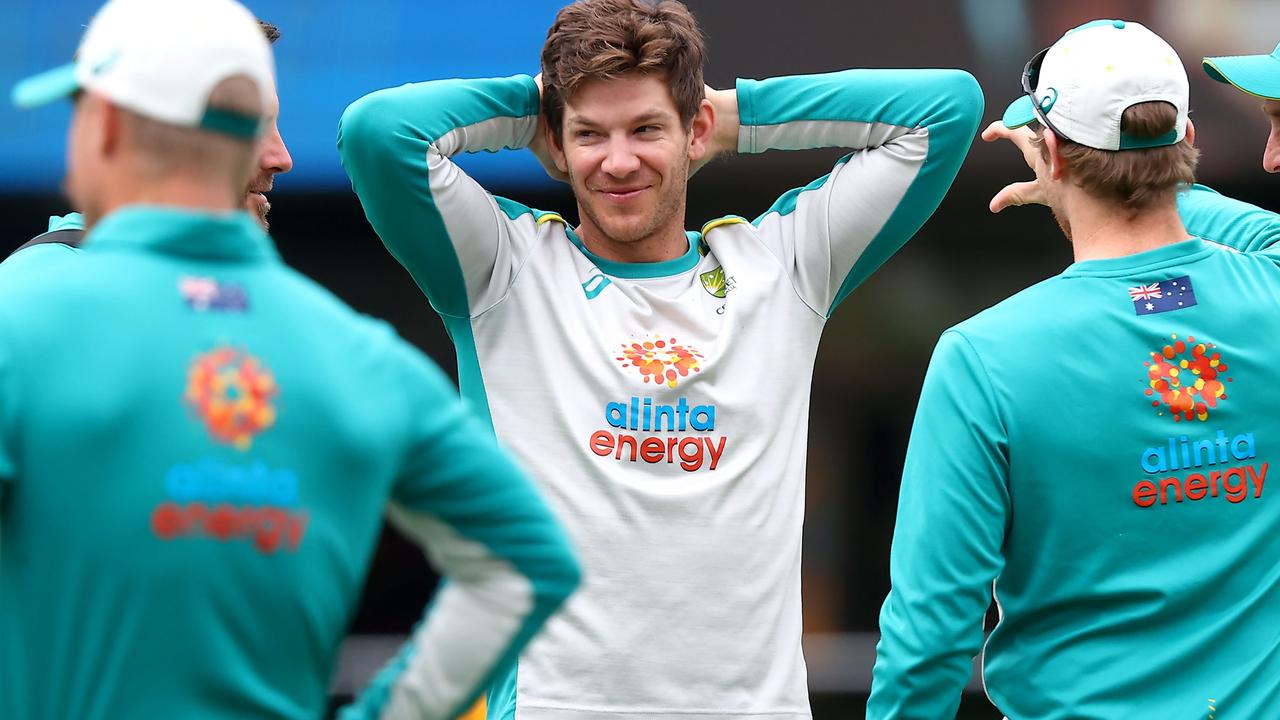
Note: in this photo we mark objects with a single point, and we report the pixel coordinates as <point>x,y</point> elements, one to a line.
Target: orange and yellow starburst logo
<point>661,361</point>
<point>1186,386</point>
<point>231,391</point>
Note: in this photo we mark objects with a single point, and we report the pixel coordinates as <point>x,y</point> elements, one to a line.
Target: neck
<point>666,242</point>
<point>174,190</point>
<point>1101,230</point>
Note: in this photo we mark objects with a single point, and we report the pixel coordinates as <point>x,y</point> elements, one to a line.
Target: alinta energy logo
<point>663,430</point>
<point>661,361</point>
<point>231,392</point>
<point>1186,379</point>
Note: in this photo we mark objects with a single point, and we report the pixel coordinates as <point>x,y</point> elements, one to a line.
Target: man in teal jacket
<point>197,445</point>
<point>1095,449</point>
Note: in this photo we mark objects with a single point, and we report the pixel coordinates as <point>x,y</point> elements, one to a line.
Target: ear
<point>701,130</point>
<point>110,129</point>
<point>1057,165</point>
<point>555,149</point>
<point>1190,139</point>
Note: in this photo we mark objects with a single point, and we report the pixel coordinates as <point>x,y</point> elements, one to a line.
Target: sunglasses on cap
<point>1030,82</point>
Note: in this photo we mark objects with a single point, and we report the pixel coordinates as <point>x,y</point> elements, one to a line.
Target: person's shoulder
<point>34,255</point>
<point>1019,318</point>
<point>515,210</point>
<point>64,237</point>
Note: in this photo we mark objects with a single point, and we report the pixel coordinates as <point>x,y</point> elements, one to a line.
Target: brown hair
<point>600,39</point>
<point>271,31</point>
<point>1135,179</point>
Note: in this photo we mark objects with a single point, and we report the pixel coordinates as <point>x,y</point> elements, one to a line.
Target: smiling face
<point>627,155</point>
<point>1271,154</point>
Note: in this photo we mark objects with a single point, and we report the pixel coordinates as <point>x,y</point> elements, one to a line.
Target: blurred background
<point>877,345</point>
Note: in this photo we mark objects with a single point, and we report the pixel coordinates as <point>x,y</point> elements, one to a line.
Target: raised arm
<point>506,563</point>
<point>461,245</point>
<point>952,514</point>
<point>1226,221</point>
<point>909,131</point>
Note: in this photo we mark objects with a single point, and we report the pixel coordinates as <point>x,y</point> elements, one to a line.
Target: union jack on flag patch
<point>1145,292</point>
<point>1164,296</point>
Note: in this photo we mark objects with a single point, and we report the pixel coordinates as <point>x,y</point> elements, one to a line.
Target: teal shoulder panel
<point>470,378</point>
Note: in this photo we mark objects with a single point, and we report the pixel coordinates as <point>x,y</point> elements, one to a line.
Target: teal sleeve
<point>1226,221</point>
<point>457,474</point>
<point>8,415</point>
<point>396,144</point>
<point>952,515</point>
<point>910,131</point>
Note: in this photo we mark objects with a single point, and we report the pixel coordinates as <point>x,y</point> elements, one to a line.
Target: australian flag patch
<point>1158,297</point>
<point>205,293</point>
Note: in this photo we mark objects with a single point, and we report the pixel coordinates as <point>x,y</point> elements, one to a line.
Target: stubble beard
<point>261,212</point>
<point>670,203</point>
<point>263,185</point>
<point>1061,219</point>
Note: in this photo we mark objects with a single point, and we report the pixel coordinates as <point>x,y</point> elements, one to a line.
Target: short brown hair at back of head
<point>271,31</point>
<point>603,39</point>
<point>1134,179</point>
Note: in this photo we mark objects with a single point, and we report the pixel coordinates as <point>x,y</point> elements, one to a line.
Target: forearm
<point>1226,221</point>
<point>496,113</point>
<point>490,606</point>
<point>947,542</point>
<point>396,145</point>
<point>842,109</point>
<point>506,562</point>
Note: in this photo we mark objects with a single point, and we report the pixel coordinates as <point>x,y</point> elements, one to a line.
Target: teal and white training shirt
<point>662,407</point>
<point>197,446</point>
<point>1099,446</point>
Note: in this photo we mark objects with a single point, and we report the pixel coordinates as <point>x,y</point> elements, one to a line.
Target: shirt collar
<point>202,234</point>
<point>1174,254</point>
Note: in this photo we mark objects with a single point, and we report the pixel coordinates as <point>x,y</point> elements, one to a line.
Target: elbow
<point>558,578</point>
<point>966,100</point>
<point>366,126</point>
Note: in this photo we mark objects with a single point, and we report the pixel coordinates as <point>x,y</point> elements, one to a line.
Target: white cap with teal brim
<point>161,59</point>
<point>1088,78</point>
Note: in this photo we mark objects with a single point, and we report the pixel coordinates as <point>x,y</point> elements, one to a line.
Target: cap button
<point>1119,24</point>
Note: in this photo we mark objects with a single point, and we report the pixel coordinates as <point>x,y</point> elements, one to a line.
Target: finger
<point>1014,194</point>
<point>995,131</point>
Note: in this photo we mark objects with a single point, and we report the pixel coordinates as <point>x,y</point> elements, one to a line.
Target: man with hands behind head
<point>654,379</point>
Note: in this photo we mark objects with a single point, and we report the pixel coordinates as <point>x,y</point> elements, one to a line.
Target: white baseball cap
<point>1081,85</point>
<point>161,59</point>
